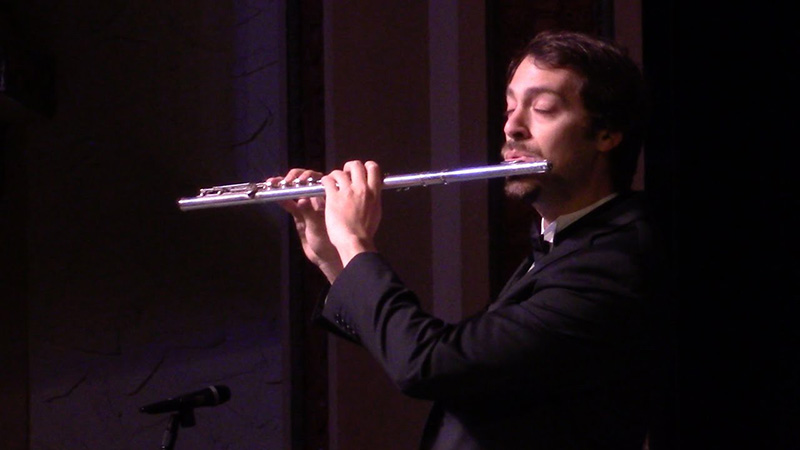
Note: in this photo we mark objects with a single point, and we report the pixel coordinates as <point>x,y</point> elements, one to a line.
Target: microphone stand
<point>183,418</point>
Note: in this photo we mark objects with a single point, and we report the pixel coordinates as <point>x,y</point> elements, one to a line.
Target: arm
<point>574,325</point>
<point>567,331</point>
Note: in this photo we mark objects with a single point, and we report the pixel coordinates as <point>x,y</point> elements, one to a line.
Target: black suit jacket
<point>559,361</point>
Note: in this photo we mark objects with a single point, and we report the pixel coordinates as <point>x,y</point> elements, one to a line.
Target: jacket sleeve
<point>567,331</point>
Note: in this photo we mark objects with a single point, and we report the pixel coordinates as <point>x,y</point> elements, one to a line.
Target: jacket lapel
<point>521,271</point>
<point>617,212</point>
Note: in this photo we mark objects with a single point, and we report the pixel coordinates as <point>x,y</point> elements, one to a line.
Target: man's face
<point>546,119</point>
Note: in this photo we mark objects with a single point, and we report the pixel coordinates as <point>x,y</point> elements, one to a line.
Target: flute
<point>250,193</point>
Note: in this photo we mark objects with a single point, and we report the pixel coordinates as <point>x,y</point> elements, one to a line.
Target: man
<point>561,359</point>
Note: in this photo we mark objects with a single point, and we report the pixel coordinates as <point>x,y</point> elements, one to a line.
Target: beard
<point>522,187</point>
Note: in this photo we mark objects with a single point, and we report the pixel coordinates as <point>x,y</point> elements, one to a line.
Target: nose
<point>516,127</point>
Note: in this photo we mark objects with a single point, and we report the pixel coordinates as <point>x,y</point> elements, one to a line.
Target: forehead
<point>531,78</point>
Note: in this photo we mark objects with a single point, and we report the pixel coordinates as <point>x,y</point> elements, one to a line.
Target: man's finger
<point>357,172</point>
<point>374,176</point>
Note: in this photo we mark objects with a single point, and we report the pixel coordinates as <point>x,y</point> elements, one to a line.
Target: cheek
<point>563,136</point>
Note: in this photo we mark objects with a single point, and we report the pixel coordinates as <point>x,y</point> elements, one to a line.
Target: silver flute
<point>249,193</point>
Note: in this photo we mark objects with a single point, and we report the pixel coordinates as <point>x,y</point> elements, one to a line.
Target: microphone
<point>210,396</point>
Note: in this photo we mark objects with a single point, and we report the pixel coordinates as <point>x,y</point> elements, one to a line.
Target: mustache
<point>509,146</point>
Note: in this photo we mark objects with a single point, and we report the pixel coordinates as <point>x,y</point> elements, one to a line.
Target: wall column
<point>405,86</point>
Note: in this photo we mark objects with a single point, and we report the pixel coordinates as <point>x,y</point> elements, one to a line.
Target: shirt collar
<point>561,222</point>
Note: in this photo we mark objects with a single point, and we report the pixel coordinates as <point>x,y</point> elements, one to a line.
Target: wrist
<point>331,270</point>
<point>351,249</point>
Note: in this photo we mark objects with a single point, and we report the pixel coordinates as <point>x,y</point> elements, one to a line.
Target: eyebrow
<point>534,91</point>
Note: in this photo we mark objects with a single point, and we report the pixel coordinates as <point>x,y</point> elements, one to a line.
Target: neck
<point>551,209</point>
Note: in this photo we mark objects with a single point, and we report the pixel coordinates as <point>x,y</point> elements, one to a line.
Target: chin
<point>522,189</point>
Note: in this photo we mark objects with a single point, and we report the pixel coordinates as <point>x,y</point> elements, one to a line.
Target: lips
<point>517,152</point>
<point>518,157</point>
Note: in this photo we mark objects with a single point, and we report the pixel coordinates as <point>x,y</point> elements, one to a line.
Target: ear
<point>607,140</point>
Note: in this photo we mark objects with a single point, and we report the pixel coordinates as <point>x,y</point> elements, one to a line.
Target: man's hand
<point>309,219</point>
<point>353,207</point>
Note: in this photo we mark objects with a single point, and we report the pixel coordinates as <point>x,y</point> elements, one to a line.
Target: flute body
<point>250,193</point>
